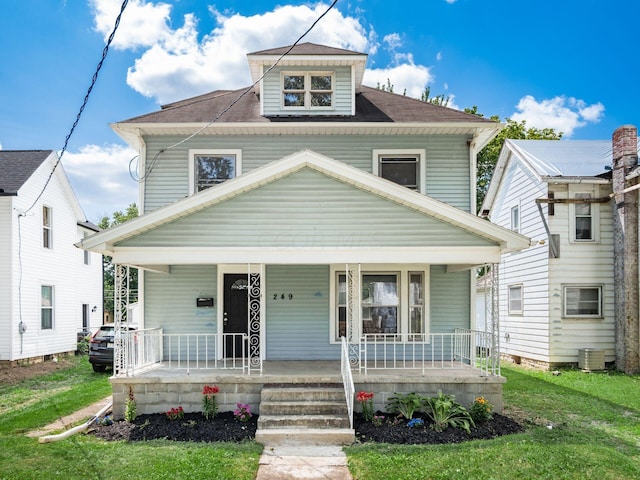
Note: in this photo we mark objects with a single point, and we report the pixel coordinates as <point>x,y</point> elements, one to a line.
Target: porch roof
<point>498,239</point>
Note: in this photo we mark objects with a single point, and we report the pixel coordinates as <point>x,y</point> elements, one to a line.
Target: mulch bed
<point>225,428</point>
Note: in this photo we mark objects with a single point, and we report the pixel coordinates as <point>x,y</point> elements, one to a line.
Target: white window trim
<point>48,228</point>
<point>207,151</point>
<point>307,89</point>
<point>403,272</point>
<point>509,310</point>
<point>420,152</point>
<point>53,308</point>
<point>600,288</point>
<point>595,217</point>
<point>515,226</point>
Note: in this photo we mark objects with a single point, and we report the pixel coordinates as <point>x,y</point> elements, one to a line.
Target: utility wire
<point>94,79</point>
<point>154,161</point>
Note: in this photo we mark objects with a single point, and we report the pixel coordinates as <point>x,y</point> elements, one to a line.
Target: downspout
<point>78,429</point>
<point>552,243</point>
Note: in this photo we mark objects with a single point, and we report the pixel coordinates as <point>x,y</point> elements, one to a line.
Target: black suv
<point>101,347</point>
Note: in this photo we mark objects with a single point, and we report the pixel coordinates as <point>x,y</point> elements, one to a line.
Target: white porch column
<point>254,297</point>
<point>354,312</point>
<point>120,311</point>
<point>492,323</point>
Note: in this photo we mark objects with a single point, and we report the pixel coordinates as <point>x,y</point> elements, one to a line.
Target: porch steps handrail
<point>460,349</point>
<point>347,379</point>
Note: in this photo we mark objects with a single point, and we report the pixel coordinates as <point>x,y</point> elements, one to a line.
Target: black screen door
<point>235,313</point>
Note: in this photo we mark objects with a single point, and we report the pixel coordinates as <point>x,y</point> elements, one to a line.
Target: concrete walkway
<point>64,423</point>
<point>293,462</point>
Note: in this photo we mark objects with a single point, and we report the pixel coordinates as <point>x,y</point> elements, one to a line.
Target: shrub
<point>445,412</point>
<point>405,404</point>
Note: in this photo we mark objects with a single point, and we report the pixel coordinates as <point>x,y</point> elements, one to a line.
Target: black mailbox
<point>204,302</point>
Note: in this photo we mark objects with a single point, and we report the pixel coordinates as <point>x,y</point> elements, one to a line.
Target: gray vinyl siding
<point>308,209</point>
<point>450,300</point>
<point>447,160</point>
<point>170,304</point>
<point>272,92</point>
<point>298,328</point>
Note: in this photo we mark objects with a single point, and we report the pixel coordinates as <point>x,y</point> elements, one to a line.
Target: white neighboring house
<point>557,297</point>
<point>50,290</point>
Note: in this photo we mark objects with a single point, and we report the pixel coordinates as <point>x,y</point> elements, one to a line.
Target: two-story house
<point>557,297</point>
<point>301,218</point>
<point>49,289</point>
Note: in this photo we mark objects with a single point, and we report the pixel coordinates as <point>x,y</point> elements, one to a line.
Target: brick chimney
<point>625,248</point>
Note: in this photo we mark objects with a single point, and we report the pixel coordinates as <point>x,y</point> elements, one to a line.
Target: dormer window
<point>307,90</point>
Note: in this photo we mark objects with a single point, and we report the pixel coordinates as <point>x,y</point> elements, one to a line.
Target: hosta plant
<point>445,412</point>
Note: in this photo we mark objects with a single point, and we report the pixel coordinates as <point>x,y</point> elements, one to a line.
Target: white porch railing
<point>463,348</point>
<point>347,379</point>
<point>143,349</point>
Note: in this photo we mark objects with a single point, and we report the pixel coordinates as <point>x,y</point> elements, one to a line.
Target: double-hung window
<point>46,307</point>
<point>47,232</point>
<point>208,168</point>
<point>385,307</point>
<point>404,167</point>
<point>515,299</point>
<point>583,218</point>
<point>515,218</point>
<point>582,301</point>
<point>307,90</point>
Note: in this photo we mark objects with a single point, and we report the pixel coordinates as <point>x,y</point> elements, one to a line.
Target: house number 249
<point>283,296</point>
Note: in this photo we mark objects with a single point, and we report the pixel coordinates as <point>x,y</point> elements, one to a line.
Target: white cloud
<point>142,24</point>
<point>407,76</point>
<point>563,114</point>
<point>100,179</point>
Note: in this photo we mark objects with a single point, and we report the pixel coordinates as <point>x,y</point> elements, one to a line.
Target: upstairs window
<point>404,167</point>
<point>47,240</point>
<point>515,299</point>
<point>515,218</point>
<point>583,218</point>
<point>208,168</point>
<point>307,90</point>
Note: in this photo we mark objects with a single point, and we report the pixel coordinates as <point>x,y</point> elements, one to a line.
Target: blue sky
<point>571,65</point>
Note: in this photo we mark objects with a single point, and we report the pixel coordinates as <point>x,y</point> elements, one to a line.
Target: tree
<point>441,99</point>
<point>488,156</point>
<point>117,218</point>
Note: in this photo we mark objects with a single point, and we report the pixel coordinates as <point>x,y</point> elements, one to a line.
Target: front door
<point>235,316</point>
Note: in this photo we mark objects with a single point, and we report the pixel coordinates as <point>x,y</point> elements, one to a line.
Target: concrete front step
<point>308,421</point>
<point>305,436</point>
<point>307,407</point>
<point>301,394</point>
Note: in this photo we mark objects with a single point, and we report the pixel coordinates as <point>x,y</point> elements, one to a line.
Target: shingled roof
<point>16,166</point>
<point>306,48</point>
<point>372,105</point>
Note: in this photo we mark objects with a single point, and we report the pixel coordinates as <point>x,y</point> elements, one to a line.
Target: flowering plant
<point>209,403</point>
<point>366,399</point>
<point>481,410</point>
<point>175,413</point>
<point>130,407</point>
<point>377,420</point>
<point>415,422</point>
<point>242,412</point>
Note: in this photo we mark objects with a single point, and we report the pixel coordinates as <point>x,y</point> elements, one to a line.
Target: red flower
<point>364,396</point>
<point>210,390</point>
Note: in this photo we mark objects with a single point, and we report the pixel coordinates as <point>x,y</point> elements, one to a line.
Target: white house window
<point>46,307</point>
<point>583,219</point>
<point>382,301</point>
<point>515,218</point>
<point>47,233</point>
<point>582,301</point>
<point>307,90</point>
<point>208,168</point>
<point>515,299</point>
<point>404,167</point>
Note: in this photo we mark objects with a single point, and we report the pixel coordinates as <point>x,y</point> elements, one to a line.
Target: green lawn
<point>579,426</point>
